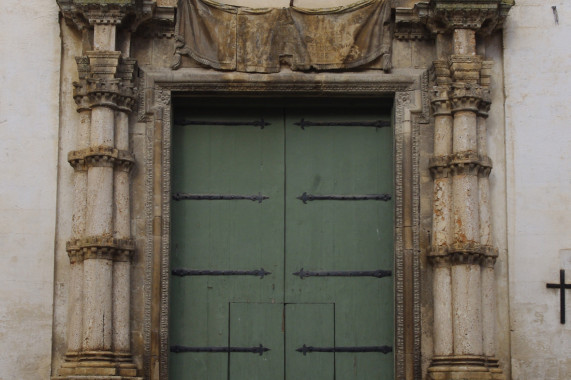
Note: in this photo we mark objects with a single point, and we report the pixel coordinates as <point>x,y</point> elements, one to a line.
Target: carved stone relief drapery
<point>260,40</point>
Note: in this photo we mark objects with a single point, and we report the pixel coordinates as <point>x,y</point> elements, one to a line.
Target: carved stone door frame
<point>408,88</point>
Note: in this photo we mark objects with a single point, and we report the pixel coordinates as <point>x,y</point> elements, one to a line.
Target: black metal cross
<point>561,286</point>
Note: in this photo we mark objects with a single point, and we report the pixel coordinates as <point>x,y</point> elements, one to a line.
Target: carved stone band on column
<point>442,73</point>
<point>440,101</point>
<point>100,247</point>
<point>465,68</point>
<point>117,94</point>
<point>463,253</point>
<point>103,64</point>
<point>101,156</point>
<point>469,163</point>
<point>468,97</point>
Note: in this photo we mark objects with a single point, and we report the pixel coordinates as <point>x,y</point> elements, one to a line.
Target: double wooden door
<point>282,242</point>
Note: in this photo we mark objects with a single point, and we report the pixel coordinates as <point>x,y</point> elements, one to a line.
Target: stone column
<point>462,251</point>
<point>122,219</point>
<point>75,317</point>
<point>101,246</point>
<point>442,210</point>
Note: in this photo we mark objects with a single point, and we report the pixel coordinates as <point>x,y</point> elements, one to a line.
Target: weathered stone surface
<point>29,119</point>
<point>538,188</point>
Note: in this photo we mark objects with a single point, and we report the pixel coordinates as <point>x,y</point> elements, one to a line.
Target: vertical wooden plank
<point>310,325</point>
<point>252,324</point>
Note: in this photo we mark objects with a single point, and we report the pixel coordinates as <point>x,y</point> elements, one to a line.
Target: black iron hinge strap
<point>376,123</point>
<point>255,123</point>
<point>379,273</point>
<point>255,350</point>
<point>217,197</point>
<point>309,349</point>
<point>181,272</point>
<point>368,197</point>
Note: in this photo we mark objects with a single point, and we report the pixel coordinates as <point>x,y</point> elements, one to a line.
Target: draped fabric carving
<point>244,39</point>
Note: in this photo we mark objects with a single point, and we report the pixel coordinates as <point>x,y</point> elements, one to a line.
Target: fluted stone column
<point>101,246</point>
<point>462,252</point>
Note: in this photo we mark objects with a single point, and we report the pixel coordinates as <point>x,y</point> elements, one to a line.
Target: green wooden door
<point>268,283</point>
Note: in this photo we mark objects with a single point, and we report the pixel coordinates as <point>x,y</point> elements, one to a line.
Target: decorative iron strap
<point>217,197</point>
<point>370,273</point>
<point>192,272</point>
<point>255,350</point>
<point>369,197</point>
<point>256,123</point>
<point>384,349</point>
<point>376,124</point>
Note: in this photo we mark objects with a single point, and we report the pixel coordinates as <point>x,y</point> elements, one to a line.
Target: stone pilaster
<point>101,246</point>
<point>462,254</point>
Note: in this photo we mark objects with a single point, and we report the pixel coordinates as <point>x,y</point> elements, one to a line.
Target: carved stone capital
<point>483,16</point>
<point>86,13</point>
<point>440,101</point>
<point>466,97</point>
<point>100,247</point>
<point>105,80</point>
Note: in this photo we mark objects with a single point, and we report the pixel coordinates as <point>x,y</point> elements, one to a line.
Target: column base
<point>98,365</point>
<point>464,368</point>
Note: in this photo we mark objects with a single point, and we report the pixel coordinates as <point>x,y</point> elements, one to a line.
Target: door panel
<point>282,235</point>
<point>223,235</point>
<point>342,235</point>
<point>311,325</point>
<point>252,324</point>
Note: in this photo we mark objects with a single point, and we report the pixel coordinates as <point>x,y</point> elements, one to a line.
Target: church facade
<point>302,189</point>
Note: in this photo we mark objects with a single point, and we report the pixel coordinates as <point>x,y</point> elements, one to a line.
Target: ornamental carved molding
<point>100,247</point>
<point>428,18</point>
<point>83,14</point>
<point>483,16</point>
<point>461,163</point>
<point>105,80</point>
<point>101,156</point>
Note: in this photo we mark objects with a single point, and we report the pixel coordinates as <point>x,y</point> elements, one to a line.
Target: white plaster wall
<point>537,58</point>
<point>29,109</point>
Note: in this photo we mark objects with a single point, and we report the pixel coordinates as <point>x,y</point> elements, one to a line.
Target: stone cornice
<point>86,13</point>
<point>483,16</point>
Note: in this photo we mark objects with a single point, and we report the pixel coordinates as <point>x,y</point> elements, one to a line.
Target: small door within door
<point>282,242</point>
